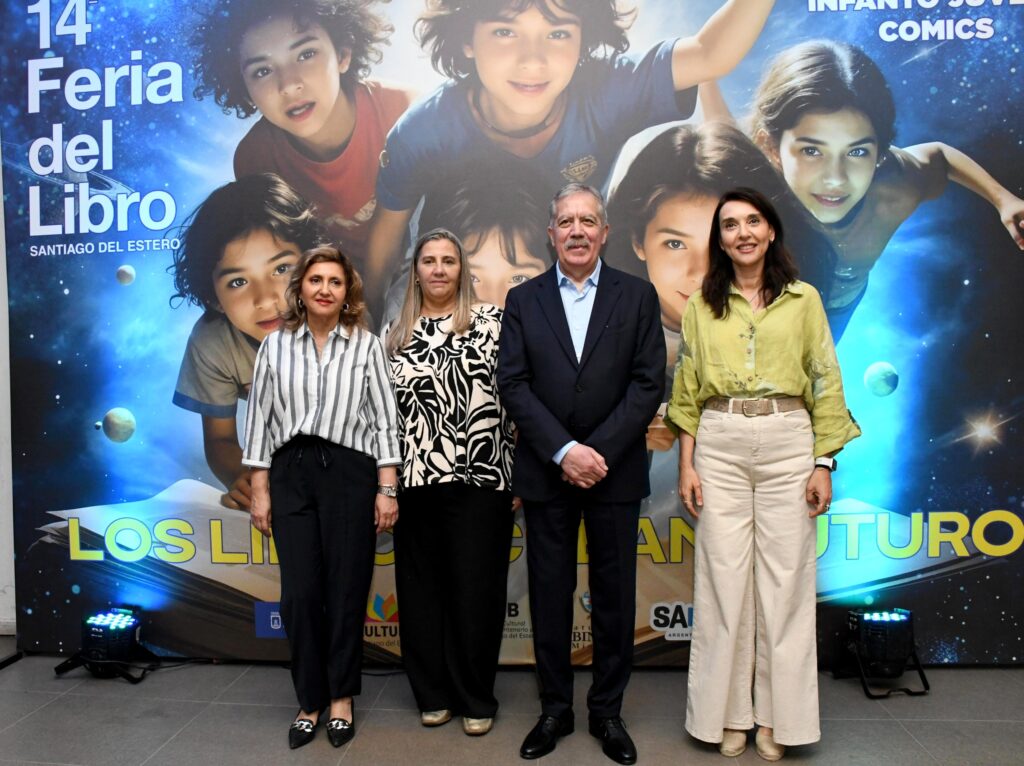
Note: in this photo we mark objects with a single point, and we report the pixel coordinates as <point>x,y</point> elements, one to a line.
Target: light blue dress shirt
<point>578,306</point>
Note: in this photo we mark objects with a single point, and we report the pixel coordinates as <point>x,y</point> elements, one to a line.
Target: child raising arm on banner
<point>824,115</point>
<point>544,83</point>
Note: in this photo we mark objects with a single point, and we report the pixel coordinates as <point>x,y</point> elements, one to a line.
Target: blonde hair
<point>353,312</point>
<point>400,332</point>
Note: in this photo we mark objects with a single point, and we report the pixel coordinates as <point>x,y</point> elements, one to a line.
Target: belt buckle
<point>752,407</point>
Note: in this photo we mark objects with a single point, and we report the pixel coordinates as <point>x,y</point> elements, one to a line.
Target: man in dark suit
<point>581,369</point>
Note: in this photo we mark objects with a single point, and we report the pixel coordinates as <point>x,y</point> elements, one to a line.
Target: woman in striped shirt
<point>322,443</point>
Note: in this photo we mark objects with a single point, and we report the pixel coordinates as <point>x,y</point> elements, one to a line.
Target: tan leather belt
<point>754,407</point>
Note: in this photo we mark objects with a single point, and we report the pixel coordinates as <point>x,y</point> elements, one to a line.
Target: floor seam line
<point>173,736</point>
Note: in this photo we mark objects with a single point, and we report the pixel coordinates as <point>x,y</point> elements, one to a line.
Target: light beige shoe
<point>477,727</point>
<point>734,742</point>
<point>435,717</point>
<point>767,747</point>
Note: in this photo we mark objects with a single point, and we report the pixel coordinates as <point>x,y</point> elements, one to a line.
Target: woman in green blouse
<point>758,401</point>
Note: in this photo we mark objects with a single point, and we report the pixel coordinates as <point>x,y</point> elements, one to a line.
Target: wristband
<point>826,462</point>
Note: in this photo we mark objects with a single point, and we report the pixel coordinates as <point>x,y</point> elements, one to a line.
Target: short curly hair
<point>447,25</point>
<point>239,208</point>
<point>218,34</point>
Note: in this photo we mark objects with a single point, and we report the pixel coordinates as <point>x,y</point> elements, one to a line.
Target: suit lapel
<point>551,305</point>
<point>608,293</point>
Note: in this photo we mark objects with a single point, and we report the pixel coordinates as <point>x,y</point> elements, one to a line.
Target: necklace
<point>530,132</point>
<point>754,298</point>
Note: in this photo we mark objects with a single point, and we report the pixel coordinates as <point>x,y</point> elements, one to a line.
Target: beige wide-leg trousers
<point>753,657</point>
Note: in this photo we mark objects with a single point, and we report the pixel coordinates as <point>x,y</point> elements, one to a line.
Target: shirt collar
<point>339,329</point>
<point>562,279</point>
<point>796,287</point>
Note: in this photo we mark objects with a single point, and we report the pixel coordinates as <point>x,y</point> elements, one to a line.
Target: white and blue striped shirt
<point>344,395</point>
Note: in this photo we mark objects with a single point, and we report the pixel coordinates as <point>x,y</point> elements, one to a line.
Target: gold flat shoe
<point>767,747</point>
<point>734,742</point>
<point>435,717</point>
<point>476,727</point>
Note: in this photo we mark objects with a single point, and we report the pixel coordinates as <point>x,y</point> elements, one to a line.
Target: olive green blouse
<point>785,350</point>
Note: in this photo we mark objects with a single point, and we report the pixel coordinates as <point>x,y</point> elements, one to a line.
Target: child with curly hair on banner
<point>303,65</point>
<point>235,259</point>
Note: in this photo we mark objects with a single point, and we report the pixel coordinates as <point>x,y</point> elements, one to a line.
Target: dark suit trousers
<point>552,529</point>
<point>452,546</point>
<point>321,504</point>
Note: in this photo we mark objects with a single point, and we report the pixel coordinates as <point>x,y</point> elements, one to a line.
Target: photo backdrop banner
<point>132,349</point>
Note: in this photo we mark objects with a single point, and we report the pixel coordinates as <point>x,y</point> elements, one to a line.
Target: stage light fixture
<point>881,642</point>
<point>110,641</point>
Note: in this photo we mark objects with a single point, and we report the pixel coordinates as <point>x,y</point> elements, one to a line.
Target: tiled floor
<point>239,714</point>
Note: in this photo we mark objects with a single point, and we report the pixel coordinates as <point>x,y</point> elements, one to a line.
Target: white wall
<point>6,510</point>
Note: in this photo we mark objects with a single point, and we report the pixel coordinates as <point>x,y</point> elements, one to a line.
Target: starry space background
<point>945,306</point>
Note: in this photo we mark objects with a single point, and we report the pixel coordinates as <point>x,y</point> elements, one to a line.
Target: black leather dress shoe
<point>615,740</point>
<point>544,736</point>
<point>301,732</point>
<point>340,731</point>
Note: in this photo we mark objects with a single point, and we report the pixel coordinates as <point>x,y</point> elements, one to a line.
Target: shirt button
<point>750,378</point>
<point>579,389</point>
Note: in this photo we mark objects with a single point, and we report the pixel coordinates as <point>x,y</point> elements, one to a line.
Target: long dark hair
<point>707,160</point>
<point>821,76</point>
<point>779,268</point>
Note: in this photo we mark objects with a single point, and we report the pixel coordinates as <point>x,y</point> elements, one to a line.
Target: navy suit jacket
<point>605,400</point>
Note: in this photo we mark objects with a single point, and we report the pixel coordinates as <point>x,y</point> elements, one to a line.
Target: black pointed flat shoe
<point>301,732</point>
<point>340,731</point>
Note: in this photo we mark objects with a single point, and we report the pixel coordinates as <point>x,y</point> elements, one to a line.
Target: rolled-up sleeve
<point>261,409</point>
<point>832,422</point>
<point>381,408</point>
<point>683,412</point>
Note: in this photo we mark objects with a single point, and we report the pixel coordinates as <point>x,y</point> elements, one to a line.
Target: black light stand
<point>881,644</point>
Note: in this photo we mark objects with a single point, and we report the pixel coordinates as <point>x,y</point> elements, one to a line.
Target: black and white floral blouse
<point>451,424</point>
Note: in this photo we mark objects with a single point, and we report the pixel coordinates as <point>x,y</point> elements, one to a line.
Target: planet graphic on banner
<point>119,424</point>
<point>881,378</point>
<point>126,274</point>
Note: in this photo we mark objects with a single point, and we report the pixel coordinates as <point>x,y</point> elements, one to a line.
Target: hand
<point>583,466</point>
<point>659,437</point>
<point>1012,214</point>
<point>239,494</point>
<point>689,490</point>
<point>259,512</point>
<point>385,512</point>
<point>819,491</point>
<point>517,503</point>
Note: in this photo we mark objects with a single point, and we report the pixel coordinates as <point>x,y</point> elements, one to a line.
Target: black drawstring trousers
<point>321,506</point>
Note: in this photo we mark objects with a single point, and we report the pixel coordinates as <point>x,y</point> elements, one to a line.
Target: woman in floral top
<point>452,547</point>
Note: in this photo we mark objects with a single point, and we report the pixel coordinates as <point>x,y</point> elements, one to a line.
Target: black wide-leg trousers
<point>552,533</point>
<point>452,546</point>
<point>321,505</point>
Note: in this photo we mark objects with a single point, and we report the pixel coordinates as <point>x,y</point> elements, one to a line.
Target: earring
<point>416,281</point>
<point>344,307</point>
<point>301,304</point>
